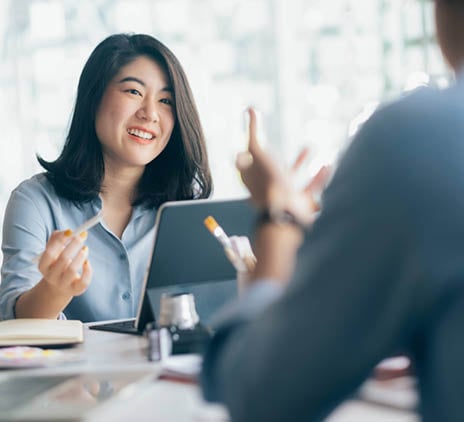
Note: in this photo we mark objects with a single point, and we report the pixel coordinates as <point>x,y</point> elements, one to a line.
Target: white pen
<point>82,228</point>
<point>217,231</point>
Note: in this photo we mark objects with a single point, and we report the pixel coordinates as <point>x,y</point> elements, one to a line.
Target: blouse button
<point>126,295</point>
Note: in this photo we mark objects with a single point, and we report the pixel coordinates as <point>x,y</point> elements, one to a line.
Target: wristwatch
<point>280,217</point>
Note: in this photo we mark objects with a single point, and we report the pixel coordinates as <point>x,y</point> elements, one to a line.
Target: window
<point>315,69</point>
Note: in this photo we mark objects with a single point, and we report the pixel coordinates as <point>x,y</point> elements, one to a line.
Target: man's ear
<point>449,21</point>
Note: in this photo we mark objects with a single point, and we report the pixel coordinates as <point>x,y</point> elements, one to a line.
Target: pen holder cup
<point>178,330</point>
<point>178,309</point>
<point>166,341</point>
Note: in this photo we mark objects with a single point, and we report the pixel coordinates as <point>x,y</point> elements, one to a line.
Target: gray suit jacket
<point>381,270</point>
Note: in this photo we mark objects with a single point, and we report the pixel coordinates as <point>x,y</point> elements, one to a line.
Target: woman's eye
<point>134,91</point>
<point>167,101</point>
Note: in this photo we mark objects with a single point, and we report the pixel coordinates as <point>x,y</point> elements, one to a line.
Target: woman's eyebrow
<point>131,79</point>
<point>167,88</point>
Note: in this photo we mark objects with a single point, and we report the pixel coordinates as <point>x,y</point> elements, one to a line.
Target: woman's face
<point>136,116</point>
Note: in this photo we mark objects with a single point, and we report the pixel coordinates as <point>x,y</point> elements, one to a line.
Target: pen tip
<point>210,223</point>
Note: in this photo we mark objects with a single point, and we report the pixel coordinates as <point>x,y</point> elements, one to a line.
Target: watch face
<point>278,216</point>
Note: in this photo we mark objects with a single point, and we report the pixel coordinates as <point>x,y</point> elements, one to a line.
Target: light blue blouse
<point>34,211</point>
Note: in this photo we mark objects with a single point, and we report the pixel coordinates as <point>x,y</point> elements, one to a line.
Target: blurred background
<point>315,69</point>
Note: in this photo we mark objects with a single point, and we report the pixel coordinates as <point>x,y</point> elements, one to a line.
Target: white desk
<point>155,400</point>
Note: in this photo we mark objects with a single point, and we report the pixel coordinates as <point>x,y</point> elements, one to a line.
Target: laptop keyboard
<point>126,326</point>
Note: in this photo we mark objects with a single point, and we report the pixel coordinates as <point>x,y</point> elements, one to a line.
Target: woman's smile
<point>141,135</point>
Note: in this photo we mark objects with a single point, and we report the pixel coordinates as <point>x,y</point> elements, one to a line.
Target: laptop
<point>186,257</point>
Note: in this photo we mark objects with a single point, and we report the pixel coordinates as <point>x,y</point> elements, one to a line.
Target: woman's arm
<point>28,289</point>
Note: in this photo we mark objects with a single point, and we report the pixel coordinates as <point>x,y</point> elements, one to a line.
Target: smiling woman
<point>135,141</point>
<point>136,109</point>
<point>119,64</point>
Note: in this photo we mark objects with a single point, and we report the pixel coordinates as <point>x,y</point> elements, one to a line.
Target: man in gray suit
<point>380,270</point>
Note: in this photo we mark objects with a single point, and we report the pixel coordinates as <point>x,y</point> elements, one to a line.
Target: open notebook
<point>40,332</point>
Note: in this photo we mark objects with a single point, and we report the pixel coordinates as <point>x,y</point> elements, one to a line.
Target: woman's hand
<point>66,273</point>
<point>64,264</point>
<point>271,187</point>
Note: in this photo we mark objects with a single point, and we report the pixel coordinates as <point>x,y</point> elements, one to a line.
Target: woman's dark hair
<point>180,172</point>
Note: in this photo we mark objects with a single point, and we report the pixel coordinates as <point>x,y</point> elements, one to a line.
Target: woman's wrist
<point>42,301</point>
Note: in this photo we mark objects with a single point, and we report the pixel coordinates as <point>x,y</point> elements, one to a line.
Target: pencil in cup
<point>244,263</point>
<point>82,228</point>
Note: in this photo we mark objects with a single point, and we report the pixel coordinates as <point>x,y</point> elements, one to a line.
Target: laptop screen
<point>188,258</point>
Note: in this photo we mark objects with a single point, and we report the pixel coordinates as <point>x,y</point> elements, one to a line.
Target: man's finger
<point>319,181</point>
<point>243,160</point>
<point>253,139</point>
<point>300,159</point>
